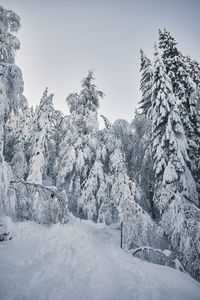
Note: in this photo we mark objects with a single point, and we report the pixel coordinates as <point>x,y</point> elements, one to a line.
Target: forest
<point>142,176</point>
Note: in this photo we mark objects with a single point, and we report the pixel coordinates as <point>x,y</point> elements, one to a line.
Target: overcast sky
<point>62,39</point>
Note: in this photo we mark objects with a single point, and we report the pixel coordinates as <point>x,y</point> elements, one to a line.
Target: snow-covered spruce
<point>183,74</point>
<point>79,171</point>
<point>169,143</point>
<point>145,83</point>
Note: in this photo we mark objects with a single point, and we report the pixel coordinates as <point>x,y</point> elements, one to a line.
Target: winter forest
<point>140,180</point>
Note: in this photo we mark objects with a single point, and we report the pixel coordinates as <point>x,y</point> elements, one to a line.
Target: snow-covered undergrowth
<point>82,260</point>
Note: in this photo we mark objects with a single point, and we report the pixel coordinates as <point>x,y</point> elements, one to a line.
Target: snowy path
<point>82,261</point>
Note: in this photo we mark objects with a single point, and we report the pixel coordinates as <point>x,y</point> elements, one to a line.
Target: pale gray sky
<point>62,39</point>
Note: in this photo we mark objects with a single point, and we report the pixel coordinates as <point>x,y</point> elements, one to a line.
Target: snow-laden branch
<point>30,205</point>
<point>166,254</point>
<point>40,186</point>
<point>147,248</point>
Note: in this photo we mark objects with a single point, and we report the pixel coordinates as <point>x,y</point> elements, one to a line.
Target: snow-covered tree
<point>183,80</point>
<point>122,131</point>
<point>123,203</point>
<point>194,70</point>
<point>117,185</point>
<point>56,135</point>
<point>138,229</point>
<point>169,143</point>
<point>181,223</point>
<point>140,162</point>
<point>18,162</point>
<point>78,162</point>
<point>175,188</point>
<point>194,141</point>
<point>176,67</point>
<point>145,83</point>
<point>122,189</point>
<point>39,135</point>
<point>135,141</point>
<point>94,192</point>
<point>43,204</point>
<point>117,179</point>
<point>11,93</point>
<point>9,43</point>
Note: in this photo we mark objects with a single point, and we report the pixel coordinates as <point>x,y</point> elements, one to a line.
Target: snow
<point>81,260</point>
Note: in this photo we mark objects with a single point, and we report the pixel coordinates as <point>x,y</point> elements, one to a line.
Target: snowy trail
<point>82,261</point>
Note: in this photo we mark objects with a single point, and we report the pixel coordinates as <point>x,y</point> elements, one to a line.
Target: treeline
<point>144,175</point>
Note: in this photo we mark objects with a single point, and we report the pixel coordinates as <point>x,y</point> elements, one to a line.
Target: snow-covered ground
<point>82,260</point>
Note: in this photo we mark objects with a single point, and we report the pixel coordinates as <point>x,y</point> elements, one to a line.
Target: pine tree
<point>78,162</point>
<point>169,143</point>
<point>181,74</point>
<point>175,188</point>
<point>39,139</point>
<point>176,68</point>
<point>145,83</point>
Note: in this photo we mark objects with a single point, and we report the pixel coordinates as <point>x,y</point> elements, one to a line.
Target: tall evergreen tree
<point>145,83</point>
<point>169,143</point>
<point>39,139</point>
<point>78,149</point>
<point>176,68</point>
<point>184,87</point>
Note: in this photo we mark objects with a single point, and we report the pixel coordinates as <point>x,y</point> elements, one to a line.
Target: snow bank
<point>82,260</point>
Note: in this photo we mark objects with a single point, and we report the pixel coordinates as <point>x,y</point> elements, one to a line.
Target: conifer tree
<point>183,80</point>
<point>169,143</point>
<point>78,162</point>
<point>175,188</point>
<point>176,68</point>
<point>39,139</point>
<point>145,83</point>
